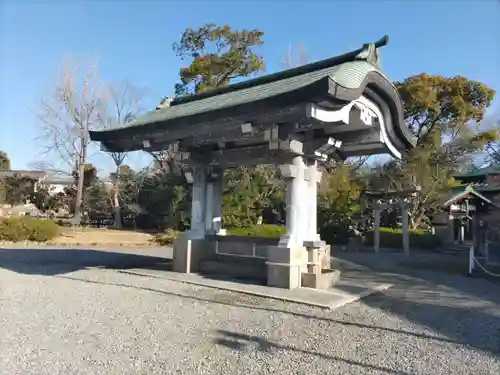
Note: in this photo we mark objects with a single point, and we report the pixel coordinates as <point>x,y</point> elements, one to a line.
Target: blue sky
<point>132,41</point>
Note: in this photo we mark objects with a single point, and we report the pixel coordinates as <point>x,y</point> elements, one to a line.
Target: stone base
<point>234,270</point>
<point>325,279</point>
<point>189,253</point>
<point>315,244</point>
<point>282,275</point>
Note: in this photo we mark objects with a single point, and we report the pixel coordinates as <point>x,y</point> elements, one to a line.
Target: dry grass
<point>102,236</point>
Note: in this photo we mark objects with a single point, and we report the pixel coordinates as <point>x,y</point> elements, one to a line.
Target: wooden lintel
<point>229,125</point>
<point>242,156</point>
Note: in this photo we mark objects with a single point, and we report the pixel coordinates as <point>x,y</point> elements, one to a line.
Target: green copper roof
<point>490,188</point>
<point>347,70</point>
<point>480,173</point>
<point>468,190</point>
<point>273,97</point>
<point>348,75</point>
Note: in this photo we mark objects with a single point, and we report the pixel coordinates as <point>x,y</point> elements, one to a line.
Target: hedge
<point>393,239</point>
<point>389,238</point>
<point>262,230</point>
<point>25,228</point>
<point>167,238</point>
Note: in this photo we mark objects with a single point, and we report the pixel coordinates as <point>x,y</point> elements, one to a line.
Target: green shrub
<point>65,223</point>
<point>167,238</point>
<point>335,234</point>
<point>263,230</point>
<point>393,239</point>
<point>25,228</point>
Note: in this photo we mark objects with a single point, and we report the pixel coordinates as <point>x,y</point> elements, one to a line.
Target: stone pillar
<point>376,229</point>
<point>487,245</point>
<point>461,232</point>
<point>297,203</point>
<point>313,177</point>
<point>287,261</point>
<point>451,229</point>
<point>198,204</point>
<point>475,234</point>
<point>209,206</point>
<point>406,229</point>
<point>213,217</point>
<point>191,248</point>
<point>217,210</point>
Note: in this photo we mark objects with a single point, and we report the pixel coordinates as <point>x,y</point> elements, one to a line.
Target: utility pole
<point>81,168</point>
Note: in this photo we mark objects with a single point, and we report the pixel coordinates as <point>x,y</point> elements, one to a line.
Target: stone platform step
<point>344,292</point>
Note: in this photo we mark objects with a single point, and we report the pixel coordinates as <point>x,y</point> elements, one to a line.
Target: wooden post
<point>376,230</point>
<point>406,232</point>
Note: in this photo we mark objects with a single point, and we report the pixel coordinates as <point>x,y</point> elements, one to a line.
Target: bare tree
<point>122,104</point>
<point>65,117</point>
<point>493,148</point>
<point>291,60</point>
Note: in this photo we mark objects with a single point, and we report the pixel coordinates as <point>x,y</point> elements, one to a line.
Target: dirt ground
<point>102,236</point>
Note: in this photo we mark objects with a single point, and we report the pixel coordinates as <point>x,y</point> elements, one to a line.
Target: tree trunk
<point>116,200</point>
<point>417,218</point>
<point>81,170</point>
<point>118,215</point>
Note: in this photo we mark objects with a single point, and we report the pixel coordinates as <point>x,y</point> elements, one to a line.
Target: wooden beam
<point>246,155</point>
<point>229,125</point>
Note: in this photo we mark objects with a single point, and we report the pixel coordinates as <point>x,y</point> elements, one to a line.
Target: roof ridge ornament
<point>370,52</point>
<point>165,103</point>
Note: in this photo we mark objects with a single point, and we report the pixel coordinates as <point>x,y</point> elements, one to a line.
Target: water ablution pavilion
<point>335,108</point>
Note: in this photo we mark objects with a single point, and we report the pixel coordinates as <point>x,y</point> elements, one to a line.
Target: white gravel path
<point>100,321</point>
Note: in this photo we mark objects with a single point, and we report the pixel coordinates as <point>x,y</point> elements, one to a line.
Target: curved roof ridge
<point>368,52</point>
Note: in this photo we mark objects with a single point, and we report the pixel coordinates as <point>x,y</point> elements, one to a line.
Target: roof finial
<point>165,103</point>
<point>370,51</point>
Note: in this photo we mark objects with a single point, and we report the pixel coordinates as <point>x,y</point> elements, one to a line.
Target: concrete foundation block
<point>283,275</point>
<point>313,268</point>
<point>189,253</point>
<point>325,279</point>
<point>295,255</point>
<point>326,257</point>
<point>234,270</point>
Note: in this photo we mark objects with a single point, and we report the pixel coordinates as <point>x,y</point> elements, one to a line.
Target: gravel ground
<point>100,321</point>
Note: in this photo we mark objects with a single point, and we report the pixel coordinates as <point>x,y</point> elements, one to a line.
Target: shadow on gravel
<point>436,294</point>
<point>52,262</point>
<point>461,322</point>
<point>241,342</point>
<point>375,302</point>
<point>448,271</point>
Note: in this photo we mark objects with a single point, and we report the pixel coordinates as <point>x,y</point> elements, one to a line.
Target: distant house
<point>471,212</point>
<point>56,185</point>
<point>35,176</point>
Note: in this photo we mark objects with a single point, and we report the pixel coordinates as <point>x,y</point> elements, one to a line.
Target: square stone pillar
<point>191,248</point>
<point>376,229</point>
<point>296,203</point>
<point>406,228</point>
<point>213,216</point>
<point>288,260</point>
<point>450,229</point>
<point>313,177</point>
<point>198,203</point>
